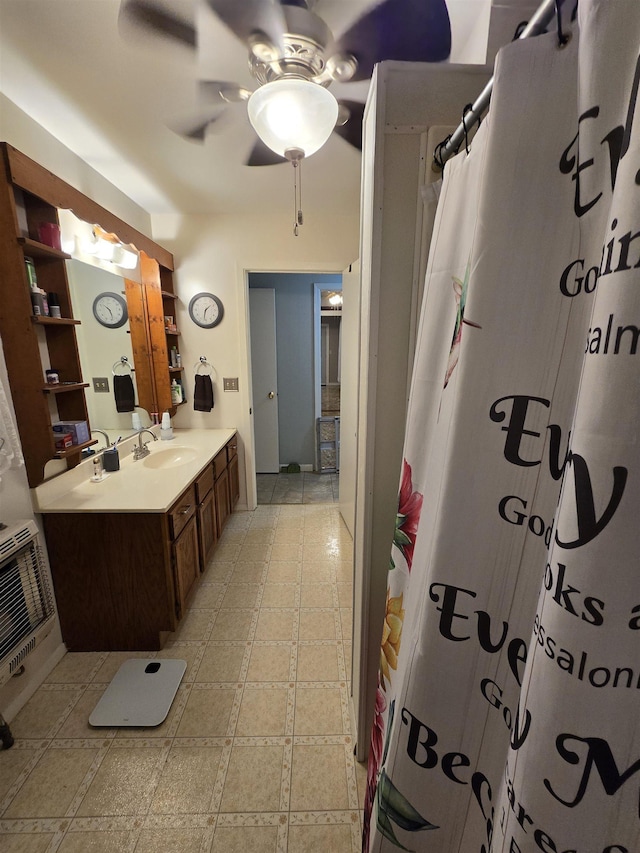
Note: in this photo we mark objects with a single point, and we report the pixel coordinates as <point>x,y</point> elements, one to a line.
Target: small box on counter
<point>79,430</point>
<point>62,440</point>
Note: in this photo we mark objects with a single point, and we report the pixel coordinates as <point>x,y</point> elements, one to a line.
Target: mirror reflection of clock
<point>206,310</point>
<point>110,310</point>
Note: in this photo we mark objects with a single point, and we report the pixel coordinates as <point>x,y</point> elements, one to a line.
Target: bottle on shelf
<point>176,392</point>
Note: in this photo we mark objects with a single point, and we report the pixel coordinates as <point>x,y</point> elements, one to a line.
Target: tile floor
<point>256,753</point>
<point>305,487</point>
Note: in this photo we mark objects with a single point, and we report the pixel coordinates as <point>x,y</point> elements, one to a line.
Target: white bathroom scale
<point>140,693</point>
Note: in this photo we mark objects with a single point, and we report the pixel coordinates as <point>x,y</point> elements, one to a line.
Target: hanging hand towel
<point>123,393</point>
<point>203,394</point>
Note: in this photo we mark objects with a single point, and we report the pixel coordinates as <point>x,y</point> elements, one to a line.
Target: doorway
<point>298,355</point>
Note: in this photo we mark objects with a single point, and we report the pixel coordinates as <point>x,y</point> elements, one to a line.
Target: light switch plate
<point>230,384</point>
<point>101,384</point>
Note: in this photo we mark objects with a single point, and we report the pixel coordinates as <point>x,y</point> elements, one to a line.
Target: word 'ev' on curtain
<point>507,710</point>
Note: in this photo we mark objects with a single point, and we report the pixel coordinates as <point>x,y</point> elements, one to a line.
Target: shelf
<point>166,295</point>
<point>62,387</point>
<point>41,250</point>
<point>75,448</point>
<point>176,369</point>
<point>39,320</point>
<point>169,332</point>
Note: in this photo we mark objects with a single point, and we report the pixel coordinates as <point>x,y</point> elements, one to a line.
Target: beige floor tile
<point>285,551</point>
<point>317,571</point>
<point>75,668</point>
<point>52,784</point>
<point>240,595</point>
<point>208,596</point>
<point>170,841</point>
<point>194,627</point>
<point>96,842</point>
<point>318,778</point>
<point>344,571</point>
<point>317,625</point>
<point>248,766</point>
<point>315,552</point>
<point>347,658</point>
<point>207,713</point>
<point>283,571</point>
<point>288,535</point>
<point>43,711</point>
<point>24,842</point>
<point>276,624</point>
<point>345,594</point>
<point>227,553</point>
<point>242,839</point>
<point>259,536</point>
<point>316,595</point>
<point>290,522</point>
<point>318,711</point>
<point>221,663</point>
<point>187,781</point>
<point>361,780</point>
<point>258,552</point>
<point>279,595</point>
<point>319,839</point>
<point>263,712</point>
<point>12,763</point>
<point>317,663</point>
<point>248,572</point>
<point>269,663</point>
<point>122,783</point>
<point>218,571</point>
<point>347,622</point>
<point>77,723</point>
<point>232,625</point>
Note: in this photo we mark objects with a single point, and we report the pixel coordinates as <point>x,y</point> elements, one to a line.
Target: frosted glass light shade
<point>293,113</point>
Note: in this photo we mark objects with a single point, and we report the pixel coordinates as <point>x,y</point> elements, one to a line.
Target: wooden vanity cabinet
<point>184,547</point>
<point>221,488</point>
<point>234,472</point>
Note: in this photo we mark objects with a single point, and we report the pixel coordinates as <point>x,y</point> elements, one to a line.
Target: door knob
<point>271,395</point>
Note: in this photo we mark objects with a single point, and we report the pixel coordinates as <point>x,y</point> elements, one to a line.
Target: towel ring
<point>123,361</point>
<point>202,362</point>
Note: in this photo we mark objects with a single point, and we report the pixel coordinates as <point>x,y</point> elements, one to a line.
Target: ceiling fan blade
<point>220,90</point>
<point>262,155</point>
<point>408,30</point>
<point>351,128</point>
<point>252,19</point>
<point>194,127</point>
<point>138,16</point>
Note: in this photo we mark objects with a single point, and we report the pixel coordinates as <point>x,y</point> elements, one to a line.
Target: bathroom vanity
<point>127,553</point>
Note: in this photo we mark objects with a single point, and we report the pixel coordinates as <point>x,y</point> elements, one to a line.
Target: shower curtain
<point>507,712</point>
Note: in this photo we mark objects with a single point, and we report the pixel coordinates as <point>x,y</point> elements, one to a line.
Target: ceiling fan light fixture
<point>293,114</point>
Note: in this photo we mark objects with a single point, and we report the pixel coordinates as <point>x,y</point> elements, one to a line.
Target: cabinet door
<point>234,482</point>
<point>222,500</point>
<point>185,564</point>
<point>207,528</point>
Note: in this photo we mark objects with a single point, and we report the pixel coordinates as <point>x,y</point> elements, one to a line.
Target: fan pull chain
<point>297,196</point>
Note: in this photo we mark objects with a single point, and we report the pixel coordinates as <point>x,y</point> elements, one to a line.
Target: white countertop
<point>136,487</point>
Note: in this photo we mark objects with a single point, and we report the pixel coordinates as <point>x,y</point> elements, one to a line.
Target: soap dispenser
<point>166,430</point>
<point>176,393</point>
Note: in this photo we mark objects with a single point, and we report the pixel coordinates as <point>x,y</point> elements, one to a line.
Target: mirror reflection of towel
<point>203,393</point>
<point>123,392</point>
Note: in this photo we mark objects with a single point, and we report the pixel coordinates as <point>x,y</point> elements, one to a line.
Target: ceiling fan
<point>294,58</point>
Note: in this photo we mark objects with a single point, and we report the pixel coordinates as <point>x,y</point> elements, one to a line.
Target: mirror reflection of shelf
<point>62,387</point>
<point>39,320</point>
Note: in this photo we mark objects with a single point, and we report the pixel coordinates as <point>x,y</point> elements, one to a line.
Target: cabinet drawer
<point>220,462</point>
<point>232,448</point>
<point>182,511</point>
<point>204,483</point>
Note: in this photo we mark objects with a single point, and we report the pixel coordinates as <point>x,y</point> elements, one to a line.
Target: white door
<point>262,317</point>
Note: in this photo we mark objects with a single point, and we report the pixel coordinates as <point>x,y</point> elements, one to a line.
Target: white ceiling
<point>64,63</point>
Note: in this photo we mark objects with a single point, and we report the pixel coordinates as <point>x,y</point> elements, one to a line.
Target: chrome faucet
<point>141,450</point>
<point>105,436</point>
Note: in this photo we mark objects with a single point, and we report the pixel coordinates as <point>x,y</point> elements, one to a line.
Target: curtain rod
<point>541,17</point>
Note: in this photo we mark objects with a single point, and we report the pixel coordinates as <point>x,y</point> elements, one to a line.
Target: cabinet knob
<point>185,509</point>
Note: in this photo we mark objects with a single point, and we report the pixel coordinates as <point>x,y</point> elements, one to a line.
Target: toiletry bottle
<point>176,393</point>
<point>98,470</point>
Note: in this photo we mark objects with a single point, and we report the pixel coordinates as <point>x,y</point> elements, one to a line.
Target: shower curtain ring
<point>563,39</point>
<point>464,124</point>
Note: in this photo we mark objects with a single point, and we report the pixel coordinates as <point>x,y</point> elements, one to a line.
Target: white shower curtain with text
<point>508,705</point>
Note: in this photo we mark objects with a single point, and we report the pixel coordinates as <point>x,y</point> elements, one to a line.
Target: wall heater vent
<point>27,607</point>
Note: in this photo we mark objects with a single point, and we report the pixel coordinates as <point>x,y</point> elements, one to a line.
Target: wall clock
<point>206,310</point>
<point>110,310</point>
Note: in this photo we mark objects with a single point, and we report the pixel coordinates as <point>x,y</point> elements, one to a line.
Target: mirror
<point>101,347</point>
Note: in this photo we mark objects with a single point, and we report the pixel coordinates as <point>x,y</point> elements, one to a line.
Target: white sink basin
<point>172,457</point>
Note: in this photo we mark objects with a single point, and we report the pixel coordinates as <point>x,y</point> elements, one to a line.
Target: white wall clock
<point>206,310</point>
<point>110,310</point>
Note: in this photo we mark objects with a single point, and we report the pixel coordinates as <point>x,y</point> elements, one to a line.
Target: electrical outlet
<point>101,384</point>
<point>230,384</point>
